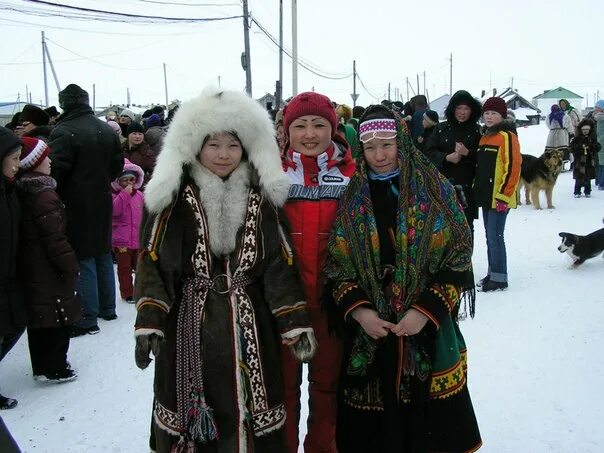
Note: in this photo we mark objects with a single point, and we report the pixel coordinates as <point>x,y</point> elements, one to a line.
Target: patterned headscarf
<point>433,241</point>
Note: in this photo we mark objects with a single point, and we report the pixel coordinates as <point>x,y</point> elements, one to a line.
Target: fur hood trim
<point>129,166</point>
<point>463,97</point>
<point>212,112</point>
<point>225,204</point>
<point>36,182</point>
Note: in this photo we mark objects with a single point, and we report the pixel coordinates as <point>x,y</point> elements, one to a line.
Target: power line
<point>188,4</point>
<point>301,63</point>
<point>98,62</point>
<point>81,13</point>
<point>103,32</point>
<point>378,98</point>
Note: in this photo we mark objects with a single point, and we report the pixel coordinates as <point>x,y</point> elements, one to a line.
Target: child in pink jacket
<point>127,217</point>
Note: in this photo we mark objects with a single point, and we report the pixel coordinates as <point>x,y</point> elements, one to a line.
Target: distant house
<point>525,112</point>
<point>440,104</point>
<point>545,100</point>
<point>267,101</point>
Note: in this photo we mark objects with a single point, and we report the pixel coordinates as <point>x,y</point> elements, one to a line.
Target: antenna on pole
<point>354,94</point>
<point>44,69</point>
<point>294,47</point>
<point>166,85</point>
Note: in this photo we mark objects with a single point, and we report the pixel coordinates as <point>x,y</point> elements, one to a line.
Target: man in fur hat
<point>34,123</point>
<point>86,157</point>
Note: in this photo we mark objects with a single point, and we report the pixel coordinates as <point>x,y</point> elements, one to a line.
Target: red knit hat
<point>310,103</point>
<point>496,104</point>
<point>33,152</point>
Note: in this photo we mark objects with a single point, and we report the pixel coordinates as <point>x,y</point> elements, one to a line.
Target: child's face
<point>136,138</point>
<point>126,181</point>
<point>585,130</point>
<point>10,163</point>
<point>44,166</point>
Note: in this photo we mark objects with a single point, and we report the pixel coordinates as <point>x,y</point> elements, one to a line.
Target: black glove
<point>461,196</point>
<point>144,345</point>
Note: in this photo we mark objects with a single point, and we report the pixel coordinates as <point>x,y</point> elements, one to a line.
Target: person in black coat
<point>47,264</point>
<point>453,144</point>
<point>86,156</point>
<point>12,310</point>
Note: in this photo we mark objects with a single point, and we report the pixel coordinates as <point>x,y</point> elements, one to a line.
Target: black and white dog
<point>581,248</point>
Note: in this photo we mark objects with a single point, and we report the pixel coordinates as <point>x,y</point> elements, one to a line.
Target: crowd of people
<point>251,243</point>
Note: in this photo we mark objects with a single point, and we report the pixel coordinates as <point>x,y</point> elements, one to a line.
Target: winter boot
<point>577,195</point>
<point>494,286</point>
<point>77,331</point>
<point>110,317</point>
<point>60,377</point>
<point>7,403</point>
<point>482,281</point>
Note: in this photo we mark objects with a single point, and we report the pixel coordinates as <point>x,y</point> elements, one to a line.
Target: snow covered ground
<point>535,352</point>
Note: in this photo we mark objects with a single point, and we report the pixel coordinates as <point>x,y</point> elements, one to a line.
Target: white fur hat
<point>212,112</point>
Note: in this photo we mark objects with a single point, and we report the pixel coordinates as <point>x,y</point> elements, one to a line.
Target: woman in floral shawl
<point>400,262</point>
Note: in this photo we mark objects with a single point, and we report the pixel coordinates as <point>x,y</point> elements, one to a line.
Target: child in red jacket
<point>319,164</point>
<point>127,217</point>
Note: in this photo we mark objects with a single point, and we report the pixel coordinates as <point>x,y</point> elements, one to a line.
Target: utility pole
<point>94,97</point>
<point>26,93</point>
<point>248,57</point>
<point>417,77</point>
<point>166,85</point>
<point>294,47</point>
<point>44,68</point>
<point>280,82</point>
<point>354,94</point>
<point>424,83</point>
<point>407,84</point>
<point>127,97</point>
<point>451,76</point>
<point>389,91</point>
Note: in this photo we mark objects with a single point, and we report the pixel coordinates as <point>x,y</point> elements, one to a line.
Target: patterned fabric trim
<point>343,289</point>
<point>355,306</point>
<point>287,309</point>
<point>144,301</point>
<point>166,419</point>
<point>427,314</point>
<point>449,382</point>
<point>368,398</point>
<point>158,231</point>
<point>269,420</point>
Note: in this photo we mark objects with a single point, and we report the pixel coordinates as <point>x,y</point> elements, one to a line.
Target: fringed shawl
<point>433,241</point>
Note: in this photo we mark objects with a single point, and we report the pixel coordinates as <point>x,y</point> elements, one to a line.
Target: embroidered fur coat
<point>216,282</point>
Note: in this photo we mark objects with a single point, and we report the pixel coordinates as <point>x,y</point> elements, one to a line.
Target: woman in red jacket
<point>319,164</point>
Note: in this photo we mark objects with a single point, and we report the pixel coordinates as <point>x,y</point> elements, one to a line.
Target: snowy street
<point>534,352</point>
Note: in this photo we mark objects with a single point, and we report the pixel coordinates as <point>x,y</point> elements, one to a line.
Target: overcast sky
<point>541,45</point>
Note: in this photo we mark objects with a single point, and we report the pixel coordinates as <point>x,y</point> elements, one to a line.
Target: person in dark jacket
<point>138,151</point>
<point>87,156</point>
<point>429,122</point>
<point>48,266</point>
<point>53,114</point>
<point>585,148</point>
<point>34,123</point>
<point>452,147</point>
<point>419,105</point>
<point>12,310</point>
<point>155,133</point>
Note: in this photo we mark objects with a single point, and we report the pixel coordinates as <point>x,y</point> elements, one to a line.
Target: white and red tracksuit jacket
<point>317,183</point>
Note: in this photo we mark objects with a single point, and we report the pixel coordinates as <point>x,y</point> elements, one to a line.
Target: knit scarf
<point>433,242</point>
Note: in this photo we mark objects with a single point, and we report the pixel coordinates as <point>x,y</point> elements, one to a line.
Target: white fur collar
<point>225,204</point>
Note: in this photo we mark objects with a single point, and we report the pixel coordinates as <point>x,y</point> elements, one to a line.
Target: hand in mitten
<point>501,206</point>
<point>144,345</point>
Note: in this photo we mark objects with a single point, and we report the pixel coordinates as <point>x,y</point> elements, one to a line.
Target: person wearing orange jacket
<point>498,162</point>
<point>319,164</point>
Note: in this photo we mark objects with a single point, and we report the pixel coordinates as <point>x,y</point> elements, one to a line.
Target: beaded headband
<point>383,128</point>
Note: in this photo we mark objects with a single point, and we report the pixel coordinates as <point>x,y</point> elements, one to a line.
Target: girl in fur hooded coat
<point>216,288</point>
